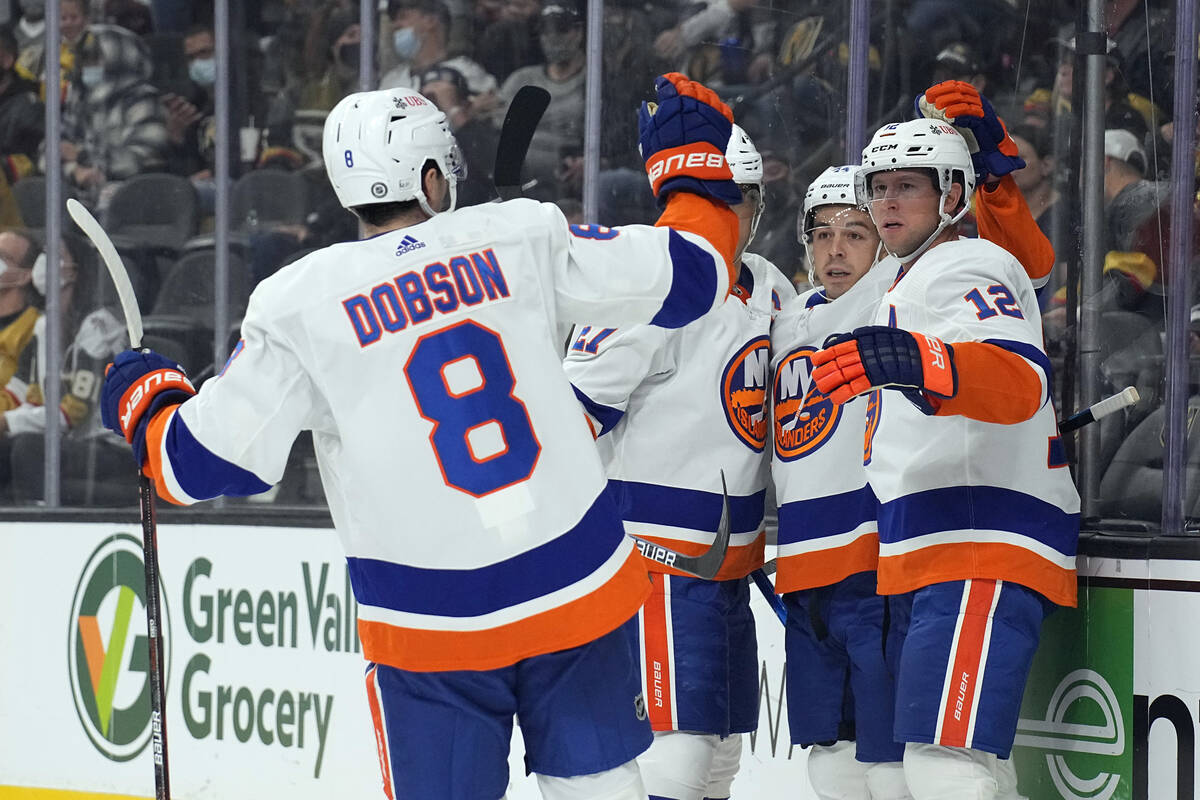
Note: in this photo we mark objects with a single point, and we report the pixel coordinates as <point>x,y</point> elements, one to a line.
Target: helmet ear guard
<point>376,144</point>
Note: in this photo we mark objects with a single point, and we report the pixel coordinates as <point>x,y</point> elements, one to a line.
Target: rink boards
<point>265,674</point>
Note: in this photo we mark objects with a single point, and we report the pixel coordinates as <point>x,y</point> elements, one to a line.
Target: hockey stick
<point>520,122</point>
<point>1109,405</point>
<point>133,322</point>
<point>707,564</point>
<point>759,576</point>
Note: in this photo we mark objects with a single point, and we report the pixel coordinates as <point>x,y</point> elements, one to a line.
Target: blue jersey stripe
<point>978,508</point>
<point>607,416</point>
<point>200,472</point>
<point>555,565</point>
<point>686,508</point>
<point>807,520</point>
<point>1030,352</point>
<point>693,283</point>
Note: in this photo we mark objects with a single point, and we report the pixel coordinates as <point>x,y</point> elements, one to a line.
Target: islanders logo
<point>744,393</point>
<point>803,420</point>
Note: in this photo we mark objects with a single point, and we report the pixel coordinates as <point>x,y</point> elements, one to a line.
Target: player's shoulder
<point>771,280</point>
<point>968,259</point>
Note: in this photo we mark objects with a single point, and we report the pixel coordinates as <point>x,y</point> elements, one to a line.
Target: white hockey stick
<point>1109,405</point>
<point>133,322</point>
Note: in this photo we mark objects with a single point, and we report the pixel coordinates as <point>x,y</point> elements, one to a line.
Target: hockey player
<point>973,548</point>
<point>837,634</point>
<point>491,570</point>
<point>646,390</point>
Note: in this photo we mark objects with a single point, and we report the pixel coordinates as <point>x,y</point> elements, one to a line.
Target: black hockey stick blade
<point>524,113</point>
<point>707,564</point>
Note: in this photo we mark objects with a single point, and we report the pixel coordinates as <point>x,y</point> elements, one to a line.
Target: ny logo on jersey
<point>804,416</point>
<point>744,393</point>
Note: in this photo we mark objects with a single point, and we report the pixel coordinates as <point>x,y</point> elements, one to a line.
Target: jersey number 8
<point>463,383</point>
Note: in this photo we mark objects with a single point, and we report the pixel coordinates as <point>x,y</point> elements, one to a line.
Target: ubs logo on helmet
<point>744,393</point>
<point>803,420</point>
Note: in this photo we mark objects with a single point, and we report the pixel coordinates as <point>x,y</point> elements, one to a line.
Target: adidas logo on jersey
<point>408,244</point>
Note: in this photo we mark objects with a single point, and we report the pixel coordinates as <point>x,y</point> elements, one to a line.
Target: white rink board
<point>299,706</point>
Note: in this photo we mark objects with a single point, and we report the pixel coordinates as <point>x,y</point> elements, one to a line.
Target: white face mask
<point>406,43</point>
<point>90,76</point>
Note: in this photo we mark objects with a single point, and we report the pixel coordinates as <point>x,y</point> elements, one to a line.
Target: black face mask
<point>349,54</point>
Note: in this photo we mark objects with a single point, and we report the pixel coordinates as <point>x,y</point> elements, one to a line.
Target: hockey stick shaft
<point>516,133</point>
<point>759,576</point>
<point>707,564</point>
<point>133,322</point>
<point>1109,405</point>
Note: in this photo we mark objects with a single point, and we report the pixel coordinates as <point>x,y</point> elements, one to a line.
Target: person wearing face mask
<point>189,114</point>
<point>419,34</point>
<point>22,124</point>
<point>334,67</point>
<point>114,125</point>
<point>31,28</point>
<point>554,157</point>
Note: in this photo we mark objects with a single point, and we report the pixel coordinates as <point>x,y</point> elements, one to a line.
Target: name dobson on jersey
<point>804,417</point>
<point>437,289</point>
<point>744,392</point>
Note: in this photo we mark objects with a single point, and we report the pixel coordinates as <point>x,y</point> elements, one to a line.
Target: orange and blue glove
<point>682,138</point>
<point>138,384</point>
<point>959,103</point>
<point>879,357</point>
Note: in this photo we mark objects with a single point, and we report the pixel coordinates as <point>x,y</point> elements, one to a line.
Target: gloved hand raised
<point>137,384</point>
<point>682,139</point>
<point>957,102</point>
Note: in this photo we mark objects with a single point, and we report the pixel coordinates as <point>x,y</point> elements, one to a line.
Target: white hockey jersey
<point>960,498</point>
<point>827,511</point>
<point>678,407</point>
<point>462,480</point>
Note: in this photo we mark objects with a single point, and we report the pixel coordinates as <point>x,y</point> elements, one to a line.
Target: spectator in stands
<point>114,126</point>
<point>1038,184</point>
<point>1123,108</point>
<point>22,116</point>
<point>189,115</point>
<point>131,15</point>
<point>73,20</point>
<point>332,47</point>
<point>1131,267</point>
<point>31,28</point>
<point>476,135</point>
<point>511,41</point>
<point>419,30</point>
<point>554,156</point>
<point>958,61</point>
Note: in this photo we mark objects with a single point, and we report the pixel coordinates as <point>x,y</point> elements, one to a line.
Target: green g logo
<point>108,649</point>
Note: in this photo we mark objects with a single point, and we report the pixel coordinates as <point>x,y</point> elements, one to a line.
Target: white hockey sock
<point>835,774</point>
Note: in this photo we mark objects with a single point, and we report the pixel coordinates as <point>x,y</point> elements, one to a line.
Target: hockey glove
<point>992,150</point>
<point>136,385</point>
<point>682,139</point>
<point>879,357</point>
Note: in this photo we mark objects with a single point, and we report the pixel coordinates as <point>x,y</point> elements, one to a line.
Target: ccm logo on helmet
<point>142,390</point>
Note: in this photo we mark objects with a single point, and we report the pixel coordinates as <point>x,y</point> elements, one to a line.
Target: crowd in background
<point>138,143</point>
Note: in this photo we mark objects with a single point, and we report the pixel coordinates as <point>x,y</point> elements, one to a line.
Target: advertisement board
<point>265,691</point>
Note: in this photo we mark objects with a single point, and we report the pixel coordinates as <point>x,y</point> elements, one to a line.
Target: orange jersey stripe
<point>570,625</point>
<point>657,663</point>
<point>827,567</point>
<point>1003,218</point>
<point>977,560</point>
<point>385,764</point>
<point>153,466</point>
<point>708,218</point>
<point>994,385</point>
<point>739,561</point>
<point>965,675</point>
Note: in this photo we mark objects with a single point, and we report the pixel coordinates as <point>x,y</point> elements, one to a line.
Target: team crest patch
<point>744,393</point>
<point>802,422</point>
